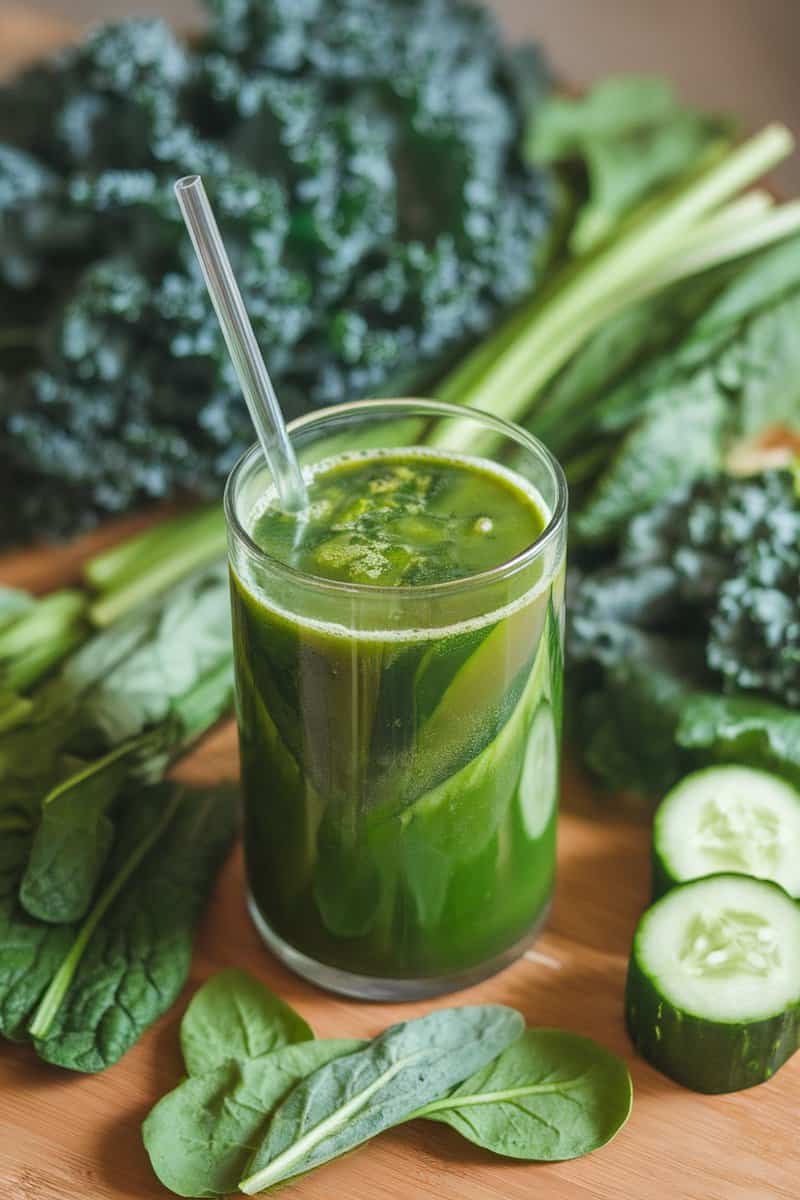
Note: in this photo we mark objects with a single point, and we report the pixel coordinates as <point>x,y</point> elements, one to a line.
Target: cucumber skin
<point>662,878</point>
<point>706,1056</point>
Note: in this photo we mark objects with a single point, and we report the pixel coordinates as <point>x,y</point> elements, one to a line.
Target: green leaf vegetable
<point>244,1051</point>
<point>676,415</point>
<point>127,961</point>
<point>201,1136</point>
<point>549,1096</point>
<point>351,1099</point>
<point>233,1018</point>
<point>74,835</point>
<point>699,223</point>
<point>323,134</point>
<point>121,707</point>
<point>32,950</point>
<point>742,729</point>
<point>632,135</point>
<point>702,598</point>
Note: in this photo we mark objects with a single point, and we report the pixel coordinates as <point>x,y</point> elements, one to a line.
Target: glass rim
<point>431,408</point>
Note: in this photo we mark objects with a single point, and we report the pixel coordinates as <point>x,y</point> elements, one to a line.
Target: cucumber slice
<point>728,819</point>
<point>537,790</point>
<point>713,991</point>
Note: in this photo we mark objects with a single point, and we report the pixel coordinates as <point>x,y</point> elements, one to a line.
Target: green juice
<point>400,784</point>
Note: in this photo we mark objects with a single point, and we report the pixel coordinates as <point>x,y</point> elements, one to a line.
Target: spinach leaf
<point>31,950</point>
<point>353,1098</point>
<point>232,1018</point>
<point>549,1096</point>
<point>127,962</point>
<point>73,838</point>
<point>743,729</point>
<point>188,636</point>
<point>201,1135</point>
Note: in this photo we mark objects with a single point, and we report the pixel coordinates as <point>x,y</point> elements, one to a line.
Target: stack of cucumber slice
<point>713,991</point>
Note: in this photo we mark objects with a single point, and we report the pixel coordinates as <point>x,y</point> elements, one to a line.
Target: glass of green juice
<point>399,671</point>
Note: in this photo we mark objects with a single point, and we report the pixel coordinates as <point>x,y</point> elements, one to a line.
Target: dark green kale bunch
<point>715,566</point>
<point>734,545</point>
<point>362,159</point>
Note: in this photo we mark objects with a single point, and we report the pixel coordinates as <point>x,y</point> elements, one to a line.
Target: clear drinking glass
<point>399,745</point>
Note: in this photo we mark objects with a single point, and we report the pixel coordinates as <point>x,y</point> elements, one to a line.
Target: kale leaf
<point>362,158</point>
<point>743,729</point>
<point>702,596</point>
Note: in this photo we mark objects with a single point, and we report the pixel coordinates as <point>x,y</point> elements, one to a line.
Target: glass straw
<point>262,403</point>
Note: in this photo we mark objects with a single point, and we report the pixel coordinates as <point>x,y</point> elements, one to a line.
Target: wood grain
<point>65,1136</point>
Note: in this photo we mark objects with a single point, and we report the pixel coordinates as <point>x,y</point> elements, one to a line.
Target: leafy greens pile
<point>86,990</point>
<point>676,383</point>
<point>666,343</point>
<point>263,1102</point>
<point>101,878</point>
<point>702,598</point>
<point>362,158</point>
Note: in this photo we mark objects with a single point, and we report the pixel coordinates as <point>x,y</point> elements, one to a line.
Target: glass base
<point>371,987</point>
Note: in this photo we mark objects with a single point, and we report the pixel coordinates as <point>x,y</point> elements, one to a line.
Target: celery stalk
<point>119,565</point>
<point>188,543</point>
<point>529,354</point>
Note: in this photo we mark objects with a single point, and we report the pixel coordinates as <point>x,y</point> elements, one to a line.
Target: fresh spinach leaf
<point>128,960</point>
<point>351,1099</point>
<point>31,950</point>
<point>188,636</point>
<point>74,836</point>
<point>201,1135</point>
<point>549,1096</point>
<point>232,1018</point>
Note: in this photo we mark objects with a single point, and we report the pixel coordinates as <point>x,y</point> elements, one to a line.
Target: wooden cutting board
<point>65,1136</point>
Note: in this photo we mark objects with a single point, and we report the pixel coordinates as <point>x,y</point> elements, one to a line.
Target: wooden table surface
<point>64,1135</point>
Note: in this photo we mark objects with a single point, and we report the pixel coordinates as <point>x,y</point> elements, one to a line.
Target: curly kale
<point>361,156</point>
<point>718,562</point>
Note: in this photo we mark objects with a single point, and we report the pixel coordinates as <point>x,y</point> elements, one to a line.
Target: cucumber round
<point>537,789</point>
<point>728,819</point>
<point>713,991</point>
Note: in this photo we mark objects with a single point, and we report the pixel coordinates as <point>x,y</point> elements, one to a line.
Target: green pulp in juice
<point>400,787</point>
<point>387,519</point>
